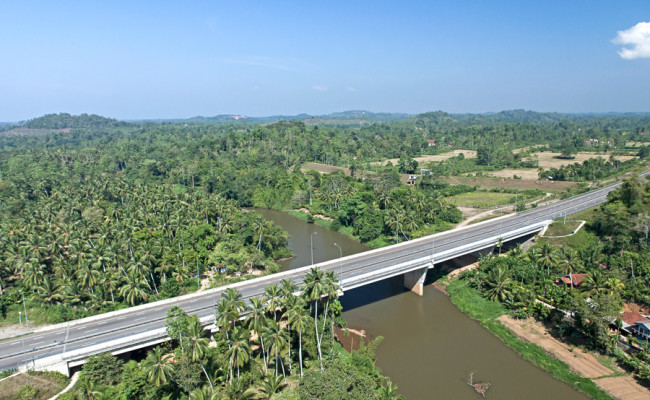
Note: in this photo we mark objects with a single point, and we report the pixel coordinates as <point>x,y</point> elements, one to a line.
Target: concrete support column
<point>414,280</point>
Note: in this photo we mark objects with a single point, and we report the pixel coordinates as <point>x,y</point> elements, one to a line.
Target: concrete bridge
<point>64,346</point>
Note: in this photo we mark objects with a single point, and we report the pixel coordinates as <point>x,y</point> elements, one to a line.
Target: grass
<point>481,199</point>
<point>581,239</point>
<point>559,228</point>
<point>470,302</point>
<point>41,385</point>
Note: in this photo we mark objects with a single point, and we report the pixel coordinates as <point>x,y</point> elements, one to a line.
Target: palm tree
<point>277,339</point>
<point>239,350</point>
<point>569,262</point>
<point>132,290</point>
<point>313,291</point>
<point>289,287</point>
<point>272,299</point>
<point>86,390</point>
<point>547,257</point>
<point>331,291</point>
<point>237,390</point>
<point>196,345</point>
<point>499,284</point>
<point>271,385</point>
<point>203,393</point>
<point>614,285</point>
<point>237,305</point>
<point>256,321</point>
<point>593,283</point>
<point>299,321</point>
<point>517,252</point>
<point>158,371</point>
<point>49,291</point>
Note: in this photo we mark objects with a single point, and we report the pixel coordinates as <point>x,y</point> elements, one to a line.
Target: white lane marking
<point>121,317</point>
<point>92,330</point>
<point>38,343</point>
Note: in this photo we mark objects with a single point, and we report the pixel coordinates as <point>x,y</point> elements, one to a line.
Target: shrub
<point>104,369</point>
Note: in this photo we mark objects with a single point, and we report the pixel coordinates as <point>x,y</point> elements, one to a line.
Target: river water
<point>429,346</point>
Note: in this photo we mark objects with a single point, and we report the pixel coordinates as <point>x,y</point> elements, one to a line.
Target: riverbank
<point>610,378</point>
<point>487,313</point>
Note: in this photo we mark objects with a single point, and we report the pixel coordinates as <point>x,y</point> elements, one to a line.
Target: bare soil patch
<point>320,216</point>
<point>623,387</point>
<point>429,158</point>
<point>526,174</point>
<point>547,159</point>
<point>581,362</point>
<point>324,168</point>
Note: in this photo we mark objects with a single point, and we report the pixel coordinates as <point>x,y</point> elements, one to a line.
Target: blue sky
<point>140,59</point>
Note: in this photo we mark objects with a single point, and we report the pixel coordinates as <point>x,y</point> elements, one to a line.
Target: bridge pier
<point>414,280</point>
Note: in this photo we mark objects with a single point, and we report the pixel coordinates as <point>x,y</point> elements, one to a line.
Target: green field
<point>481,199</point>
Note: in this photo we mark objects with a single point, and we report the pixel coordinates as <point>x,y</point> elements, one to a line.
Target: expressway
<point>143,325</point>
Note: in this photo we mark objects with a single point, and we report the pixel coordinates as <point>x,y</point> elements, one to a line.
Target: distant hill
<point>348,118</point>
<point>67,121</point>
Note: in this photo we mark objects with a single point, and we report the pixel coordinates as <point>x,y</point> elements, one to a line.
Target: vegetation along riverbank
<point>581,295</point>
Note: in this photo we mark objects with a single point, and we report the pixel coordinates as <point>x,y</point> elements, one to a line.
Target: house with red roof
<point>636,324</point>
<point>571,280</point>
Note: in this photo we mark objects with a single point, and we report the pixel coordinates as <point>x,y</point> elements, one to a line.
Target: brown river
<point>429,346</point>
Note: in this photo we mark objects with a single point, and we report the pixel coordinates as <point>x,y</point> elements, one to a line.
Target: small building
<point>591,142</point>
<point>411,179</point>
<point>431,142</point>
<point>636,324</point>
<point>571,280</point>
<point>424,171</point>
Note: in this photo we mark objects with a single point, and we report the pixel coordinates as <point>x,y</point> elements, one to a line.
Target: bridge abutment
<point>414,280</point>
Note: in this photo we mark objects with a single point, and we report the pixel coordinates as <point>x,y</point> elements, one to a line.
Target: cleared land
<point>43,386</point>
<point>546,159</point>
<point>437,157</point>
<point>529,174</point>
<point>520,184</point>
<point>637,144</point>
<point>323,168</point>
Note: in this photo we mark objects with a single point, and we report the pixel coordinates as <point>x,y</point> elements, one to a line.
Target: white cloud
<point>351,89</point>
<point>637,38</point>
<point>320,88</point>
